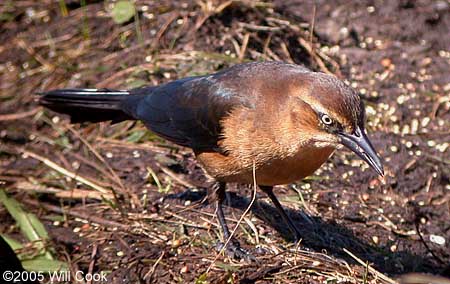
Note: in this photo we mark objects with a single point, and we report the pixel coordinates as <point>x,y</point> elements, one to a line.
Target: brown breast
<point>274,172</point>
<point>277,134</point>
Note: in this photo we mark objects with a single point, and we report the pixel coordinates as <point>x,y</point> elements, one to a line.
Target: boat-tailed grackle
<point>282,119</point>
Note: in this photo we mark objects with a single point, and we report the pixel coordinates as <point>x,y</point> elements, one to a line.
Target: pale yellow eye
<point>326,119</point>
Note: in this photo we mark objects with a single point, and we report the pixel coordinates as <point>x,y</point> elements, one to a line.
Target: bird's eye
<point>326,119</point>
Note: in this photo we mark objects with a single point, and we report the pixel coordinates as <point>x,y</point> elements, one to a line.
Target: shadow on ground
<point>329,237</point>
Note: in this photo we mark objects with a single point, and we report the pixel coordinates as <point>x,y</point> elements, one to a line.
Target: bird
<point>271,121</point>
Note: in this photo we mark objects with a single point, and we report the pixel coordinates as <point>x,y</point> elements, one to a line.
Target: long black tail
<point>84,105</point>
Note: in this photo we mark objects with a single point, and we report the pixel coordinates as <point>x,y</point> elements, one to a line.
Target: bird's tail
<point>84,105</point>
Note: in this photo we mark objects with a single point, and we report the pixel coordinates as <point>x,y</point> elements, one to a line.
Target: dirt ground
<point>141,214</point>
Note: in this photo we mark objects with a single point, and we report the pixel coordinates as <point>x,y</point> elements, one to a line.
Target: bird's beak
<point>359,143</point>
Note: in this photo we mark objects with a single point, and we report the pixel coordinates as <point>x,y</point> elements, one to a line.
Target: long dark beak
<point>359,143</point>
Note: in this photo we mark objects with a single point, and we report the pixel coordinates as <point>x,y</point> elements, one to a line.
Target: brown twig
<point>150,273</point>
<point>62,193</point>
<point>92,262</point>
<point>27,47</point>
<point>175,177</point>
<point>311,31</point>
<point>310,49</point>
<point>115,177</point>
<point>243,47</point>
<point>82,215</point>
<point>163,29</point>
<point>370,268</point>
<point>98,156</point>
<point>66,172</point>
<point>417,223</point>
<point>20,115</point>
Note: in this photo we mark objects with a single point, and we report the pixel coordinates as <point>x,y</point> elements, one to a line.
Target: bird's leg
<point>219,189</point>
<point>233,248</point>
<point>269,191</point>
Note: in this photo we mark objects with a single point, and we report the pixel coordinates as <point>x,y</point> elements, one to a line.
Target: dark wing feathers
<point>187,112</point>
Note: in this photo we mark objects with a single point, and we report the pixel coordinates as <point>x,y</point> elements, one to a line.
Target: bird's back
<point>190,111</point>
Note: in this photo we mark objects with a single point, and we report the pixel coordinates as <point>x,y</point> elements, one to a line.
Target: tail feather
<point>84,105</point>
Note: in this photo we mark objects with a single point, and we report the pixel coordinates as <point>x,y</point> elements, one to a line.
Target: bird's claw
<point>234,250</point>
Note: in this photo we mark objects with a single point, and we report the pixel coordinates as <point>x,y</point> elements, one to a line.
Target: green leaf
<point>158,183</point>
<point>35,232</point>
<point>227,267</point>
<point>123,11</point>
<point>6,17</point>
<point>136,136</point>
<point>25,254</point>
<point>44,265</point>
<point>12,242</point>
<point>28,223</point>
<point>202,279</point>
<point>38,226</point>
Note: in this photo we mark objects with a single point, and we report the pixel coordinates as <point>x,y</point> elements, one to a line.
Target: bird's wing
<point>188,111</point>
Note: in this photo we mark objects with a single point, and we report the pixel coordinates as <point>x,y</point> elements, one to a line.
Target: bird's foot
<point>235,251</point>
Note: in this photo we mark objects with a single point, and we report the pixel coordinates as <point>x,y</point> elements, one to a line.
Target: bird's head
<point>335,116</point>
